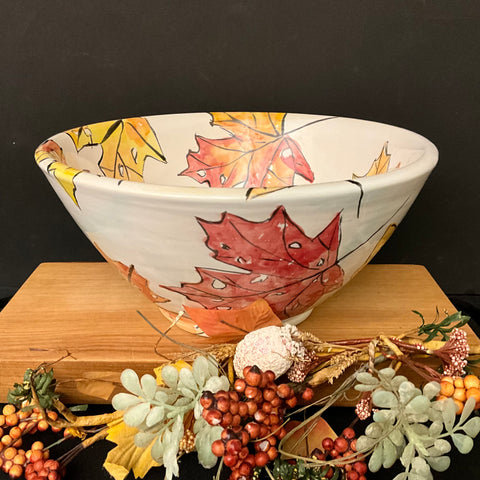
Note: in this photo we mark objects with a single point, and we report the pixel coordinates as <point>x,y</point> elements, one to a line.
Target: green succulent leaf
<point>389,453</point>
<point>170,376</point>
<point>449,413</point>
<point>376,459</point>
<point>472,427</point>
<point>367,378</point>
<point>439,464</point>
<point>464,443</point>
<point>384,399</point>
<point>129,379</point>
<point>468,408</point>
<point>418,405</point>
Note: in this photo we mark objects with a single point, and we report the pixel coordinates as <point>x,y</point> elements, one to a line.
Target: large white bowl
<point>215,210</point>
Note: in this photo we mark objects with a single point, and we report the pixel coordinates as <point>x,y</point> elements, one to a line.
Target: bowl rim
<point>423,166</point>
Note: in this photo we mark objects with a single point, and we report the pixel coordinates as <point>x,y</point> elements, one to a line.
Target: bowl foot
<point>298,318</point>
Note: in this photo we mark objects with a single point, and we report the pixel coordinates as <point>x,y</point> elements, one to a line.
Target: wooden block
<point>89,312</point>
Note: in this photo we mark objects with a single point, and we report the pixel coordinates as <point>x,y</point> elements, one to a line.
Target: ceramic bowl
<point>217,210</point>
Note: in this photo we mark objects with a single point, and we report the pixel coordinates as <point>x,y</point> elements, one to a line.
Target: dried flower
<point>363,408</point>
<point>454,353</point>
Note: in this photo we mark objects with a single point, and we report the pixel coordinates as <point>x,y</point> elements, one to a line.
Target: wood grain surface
<point>88,311</point>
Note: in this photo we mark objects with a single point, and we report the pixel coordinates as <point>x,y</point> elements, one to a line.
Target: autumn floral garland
<point>236,401</point>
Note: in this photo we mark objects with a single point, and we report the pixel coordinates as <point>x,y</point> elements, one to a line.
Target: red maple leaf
<point>280,264</point>
<point>257,153</point>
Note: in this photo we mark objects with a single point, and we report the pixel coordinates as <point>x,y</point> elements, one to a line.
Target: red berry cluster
<point>43,470</point>
<point>14,425</point>
<point>252,416</point>
<point>343,446</point>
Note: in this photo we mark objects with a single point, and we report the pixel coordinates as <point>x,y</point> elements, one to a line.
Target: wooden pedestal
<point>88,311</point>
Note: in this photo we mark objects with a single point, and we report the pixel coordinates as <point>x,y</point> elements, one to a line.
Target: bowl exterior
<point>189,247</point>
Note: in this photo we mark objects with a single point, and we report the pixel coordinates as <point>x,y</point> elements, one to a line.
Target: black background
<point>409,63</point>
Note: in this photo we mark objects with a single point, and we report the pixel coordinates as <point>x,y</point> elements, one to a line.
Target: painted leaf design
<point>379,165</point>
<point>133,277</point>
<point>257,153</point>
<point>280,264</point>
<point>51,151</point>
<point>233,324</point>
<point>126,144</point>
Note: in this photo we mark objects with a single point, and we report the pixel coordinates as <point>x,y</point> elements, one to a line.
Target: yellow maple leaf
<point>379,165</point>
<point>126,144</point>
<point>65,177</point>
<point>126,456</point>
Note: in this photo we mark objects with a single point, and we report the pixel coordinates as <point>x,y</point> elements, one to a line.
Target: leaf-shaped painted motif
<point>232,324</point>
<point>133,277</point>
<point>126,144</point>
<point>379,165</point>
<point>281,264</point>
<point>257,153</point>
<point>50,150</point>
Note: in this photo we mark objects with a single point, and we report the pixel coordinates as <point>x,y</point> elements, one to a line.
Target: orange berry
<point>15,432</point>
<point>18,442</point>
<point>9,409</point>
<point>23,414</point>
<point>52,415</point>
<point>2,420</point>
<point>19,459</point>
<point>446,388</point>
<point>11,420</point>
<point>37,445</point>
<point>475,393</point>
<point>16,471</point>
<point>459,406</point>
<point>471,381</point>
<point>1,462</point>
<point>447,378</point>
<point>459,394</point>
<point>42,426</point>
<point>9,453</point>
<point>458,382</point>
<point>46,454</point>
<point>7,465</point>
<point>7,440</point>
<point>35,456</point>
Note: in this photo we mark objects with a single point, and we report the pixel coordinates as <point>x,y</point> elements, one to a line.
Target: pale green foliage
<point>411,426</point>
<point>158,411</point>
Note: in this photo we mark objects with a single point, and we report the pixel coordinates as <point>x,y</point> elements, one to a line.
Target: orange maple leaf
<point>258,153</point>
<point>234,324</point>
<point>126,144</point>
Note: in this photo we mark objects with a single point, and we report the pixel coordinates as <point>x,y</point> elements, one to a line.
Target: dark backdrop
<point>412,63</point>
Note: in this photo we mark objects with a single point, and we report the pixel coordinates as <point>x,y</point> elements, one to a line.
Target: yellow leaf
<point>126,144</point>
<point>179,364</point>
<point>379,165</point>
<point>126,456</point>
<point>65,177</point>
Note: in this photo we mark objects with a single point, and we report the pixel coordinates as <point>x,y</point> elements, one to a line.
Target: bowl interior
<point>239,149</point>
